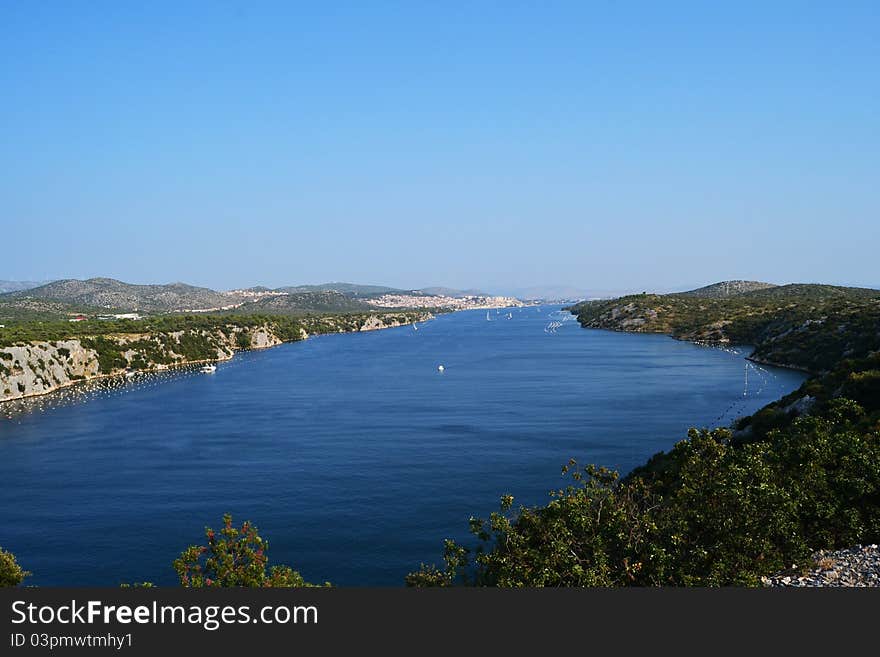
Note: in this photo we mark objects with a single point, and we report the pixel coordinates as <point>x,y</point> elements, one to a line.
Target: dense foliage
<point>11,574</point>
<point>233,556</point>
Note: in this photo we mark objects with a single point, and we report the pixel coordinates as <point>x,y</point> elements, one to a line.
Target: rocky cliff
<point>37,367</point>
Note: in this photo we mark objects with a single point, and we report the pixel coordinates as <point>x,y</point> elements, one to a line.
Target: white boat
<point>129,374</point>
<point>208,369</point>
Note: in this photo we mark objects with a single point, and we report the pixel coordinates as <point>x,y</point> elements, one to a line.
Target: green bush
<point>11,574</point>
<point>110,357</point>
<point>243,340</point>
<point>233,557</point>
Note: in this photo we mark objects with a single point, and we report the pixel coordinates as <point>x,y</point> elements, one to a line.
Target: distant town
<point>439,301</point>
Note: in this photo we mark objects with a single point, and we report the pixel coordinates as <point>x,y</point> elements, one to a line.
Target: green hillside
<point>804,326</point>
<point>300,303</point>
<point>109,293</point>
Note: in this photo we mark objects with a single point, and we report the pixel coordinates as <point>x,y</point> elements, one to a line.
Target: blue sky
<point>603,145</point>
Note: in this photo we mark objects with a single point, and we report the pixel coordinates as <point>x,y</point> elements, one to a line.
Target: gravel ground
<point>856,566</point>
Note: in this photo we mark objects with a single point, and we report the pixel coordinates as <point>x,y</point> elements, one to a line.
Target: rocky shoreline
<point>771,363</point>
<point>723,344</point>
<point>39,368</point>
<point>857,566</point>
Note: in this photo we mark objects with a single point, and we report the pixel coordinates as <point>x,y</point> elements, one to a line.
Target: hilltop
<point>109,293</point>
<point>292,303</point>
<point>727,289</point>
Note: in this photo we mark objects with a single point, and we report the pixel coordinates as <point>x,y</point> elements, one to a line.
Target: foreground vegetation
<point>231,556</point>
<point>11,574</point>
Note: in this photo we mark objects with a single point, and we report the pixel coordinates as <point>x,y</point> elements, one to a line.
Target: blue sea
<point>353,453</point>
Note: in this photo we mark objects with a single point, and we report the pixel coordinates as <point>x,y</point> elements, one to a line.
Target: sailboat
<point>487,316</point>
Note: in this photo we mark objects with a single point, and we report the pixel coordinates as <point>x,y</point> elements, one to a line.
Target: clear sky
<point>604,145</point>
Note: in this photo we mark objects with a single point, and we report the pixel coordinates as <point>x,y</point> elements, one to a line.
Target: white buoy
<point>440,368</point>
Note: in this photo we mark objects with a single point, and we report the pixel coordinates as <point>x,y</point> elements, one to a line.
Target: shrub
<point>233,557</point>
<point>110,357</point>
<point>243,340</point>
<point>11,574</point>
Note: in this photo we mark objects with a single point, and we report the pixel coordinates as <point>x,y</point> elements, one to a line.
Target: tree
<point>11,574</point>
<point>233,557</point>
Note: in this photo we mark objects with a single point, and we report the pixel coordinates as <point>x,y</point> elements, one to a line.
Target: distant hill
<point>113,294</point>
<point>813,291</point>
<point>451,292</point>
<point>553,293</point>
<point>300,303</point>
<point>58,299</point>
<point>15,286</point>
<point>349,289</point>
<point>357,290</point>
<point>727,289</point>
